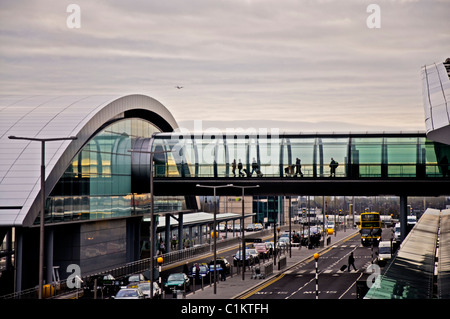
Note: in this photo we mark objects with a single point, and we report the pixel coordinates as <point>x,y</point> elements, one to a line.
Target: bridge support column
<point>403,216</point>
<point>167,236</point>
<point>180,231</point>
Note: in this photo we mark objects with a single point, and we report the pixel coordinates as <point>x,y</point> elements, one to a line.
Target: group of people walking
<point>243,171</point>
<point>289,171</point>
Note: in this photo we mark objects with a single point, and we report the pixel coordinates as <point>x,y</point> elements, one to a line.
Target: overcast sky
<point>296,65</point>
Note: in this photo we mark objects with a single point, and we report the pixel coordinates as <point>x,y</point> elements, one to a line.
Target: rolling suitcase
<point>343,267</point>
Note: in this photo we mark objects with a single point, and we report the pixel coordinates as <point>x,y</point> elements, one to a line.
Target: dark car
<point>203,271</point>
<point>107,285</point>
<point>223,263</point>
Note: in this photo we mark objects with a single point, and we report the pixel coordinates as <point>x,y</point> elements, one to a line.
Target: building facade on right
<point>436,100</point>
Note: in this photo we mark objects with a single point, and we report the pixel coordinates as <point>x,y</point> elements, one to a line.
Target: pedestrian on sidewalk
<point>351,261</point>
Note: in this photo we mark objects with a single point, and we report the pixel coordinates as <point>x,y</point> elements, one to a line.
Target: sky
<point>298,66</point>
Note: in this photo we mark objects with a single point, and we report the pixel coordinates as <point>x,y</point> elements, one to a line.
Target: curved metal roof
<point>50,117</point>
<point>436,100</point>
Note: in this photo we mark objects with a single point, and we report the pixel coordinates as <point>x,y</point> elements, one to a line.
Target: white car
<point>129,293</point>
<point>397,234</point>
<point>283,242</point>
<point>384,251</point>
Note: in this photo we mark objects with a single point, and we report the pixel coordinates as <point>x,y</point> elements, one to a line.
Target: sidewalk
<point>234,287</point>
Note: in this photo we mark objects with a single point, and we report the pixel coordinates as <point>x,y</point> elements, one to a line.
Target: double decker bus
<point>370,224</point>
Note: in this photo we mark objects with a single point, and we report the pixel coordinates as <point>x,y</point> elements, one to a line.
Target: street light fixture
<point>242,224</point>
<point>42,213</point>
<point>214,228</point>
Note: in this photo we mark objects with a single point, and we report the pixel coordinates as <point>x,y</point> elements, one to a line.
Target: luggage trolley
<point>256,273</point>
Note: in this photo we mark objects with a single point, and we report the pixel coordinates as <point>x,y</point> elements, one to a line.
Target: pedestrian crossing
<point>302,272</point>
<point>346,246</point>
<point>334,268</point>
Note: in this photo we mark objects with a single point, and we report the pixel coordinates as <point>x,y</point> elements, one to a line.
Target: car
<point>284,234</point>
<point>263,249</point>
<point>177,281</point>
<point>136,278</point>
<point>258,227</point>
<point>236,228</point>
<point>107,285</point>
<point>129,293</point>
<point>145,288</point>
<point>397,234</point>
<point>223,263</point>
<point>250,227</point>
<point>237,258</point>
<point>254,253</point>
<point>283,242</point>
<point>330,225</point>
<point>203,271</point>
<point>384,252</point>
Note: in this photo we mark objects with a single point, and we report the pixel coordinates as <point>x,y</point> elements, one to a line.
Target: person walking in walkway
<point>254,167</point>
<point>233,167</point>
<point>298,167</point>
<point>240,166</point>
<point>351,261</point>
<point>333,166</point>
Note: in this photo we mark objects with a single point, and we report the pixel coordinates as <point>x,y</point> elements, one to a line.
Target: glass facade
<point>356,156</point>
<point>97,183</point>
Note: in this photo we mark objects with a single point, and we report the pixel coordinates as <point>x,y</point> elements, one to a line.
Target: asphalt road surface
<point>333,283</point>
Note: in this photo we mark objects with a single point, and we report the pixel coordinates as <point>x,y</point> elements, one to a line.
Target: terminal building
<point>97,188</point>
<point>94,203</point>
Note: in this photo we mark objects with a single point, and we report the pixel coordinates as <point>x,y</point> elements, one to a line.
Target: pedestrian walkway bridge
<point>365,163</point>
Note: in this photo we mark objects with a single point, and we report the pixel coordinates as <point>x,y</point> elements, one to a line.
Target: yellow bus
<point>370,224</point>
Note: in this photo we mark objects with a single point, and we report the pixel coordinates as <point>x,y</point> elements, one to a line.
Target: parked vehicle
<point>236,228</point>
<point>202,269</point>
<point>224,264</point>
<point>258,226</point>
<point>283,242</point>
<point>177,281</point>
<point>129,293</point>
<point>136,278</point>
<point>254,253</point>
<point>145,288</point>
<point>263,249</point>
<point>107,285</point>
<point>397,234</point>
<point>237,258</point>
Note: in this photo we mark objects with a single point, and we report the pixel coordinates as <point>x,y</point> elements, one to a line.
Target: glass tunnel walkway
<point>309,156</point>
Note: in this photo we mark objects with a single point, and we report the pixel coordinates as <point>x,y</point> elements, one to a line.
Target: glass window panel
<point>303,149</point>
<point>367,156</point>
<point>337,149</point>
<point>402,156</point>
<point>101,170</point>
<point>269,156</point>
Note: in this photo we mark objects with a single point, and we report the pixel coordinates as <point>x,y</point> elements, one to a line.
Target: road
<point>333,283</point>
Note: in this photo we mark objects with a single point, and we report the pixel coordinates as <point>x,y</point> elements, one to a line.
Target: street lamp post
<point>242,226</point>
<point>42,213</point>
<point>152,211</point>
<point>214,229</point>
